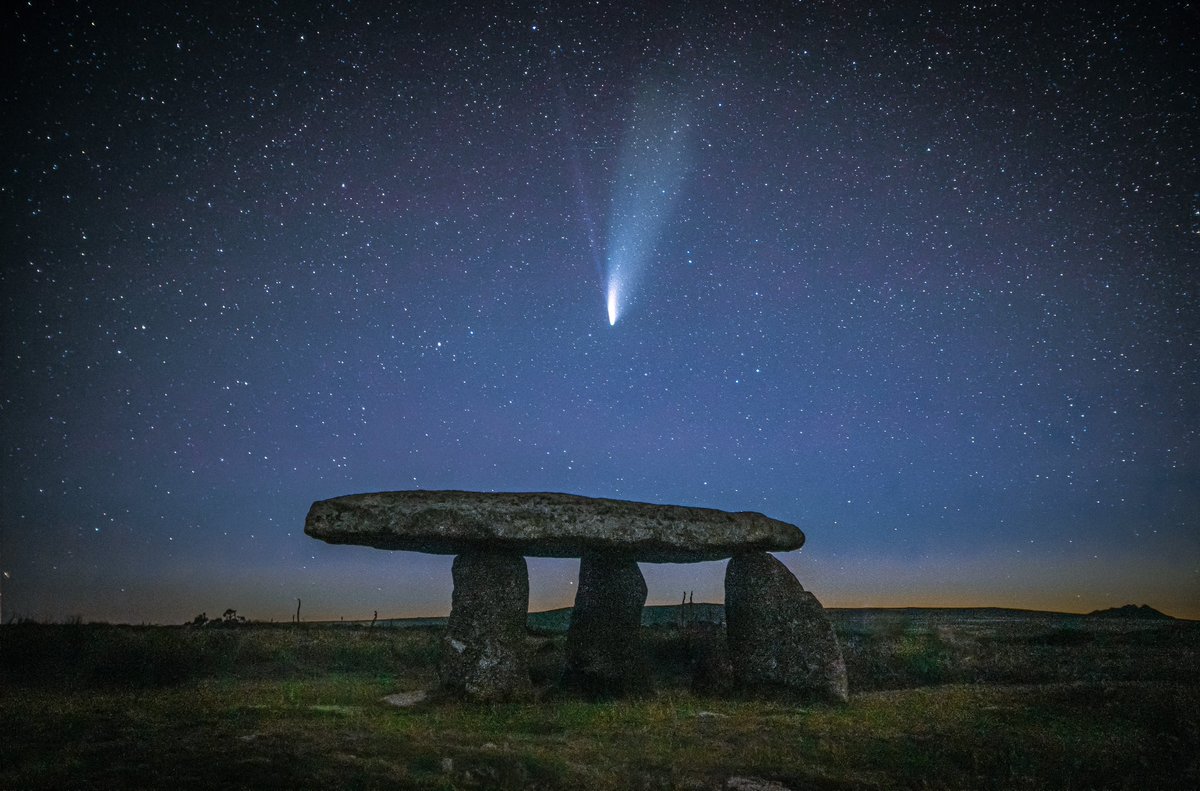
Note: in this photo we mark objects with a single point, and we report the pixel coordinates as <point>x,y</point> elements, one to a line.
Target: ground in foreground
<point>955,701</point>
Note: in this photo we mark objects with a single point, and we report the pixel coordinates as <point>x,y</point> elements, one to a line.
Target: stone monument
<point>483,656</point>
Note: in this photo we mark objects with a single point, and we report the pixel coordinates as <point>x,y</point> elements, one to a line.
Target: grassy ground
<point>945,702</point>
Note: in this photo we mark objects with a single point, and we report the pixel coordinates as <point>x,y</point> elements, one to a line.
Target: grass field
<point>940,699</point>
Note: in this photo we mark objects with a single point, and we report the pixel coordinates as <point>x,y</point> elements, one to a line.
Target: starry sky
<point>920,279</point>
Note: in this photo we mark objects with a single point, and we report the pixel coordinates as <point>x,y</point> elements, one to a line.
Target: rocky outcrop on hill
<point>1144,612</point>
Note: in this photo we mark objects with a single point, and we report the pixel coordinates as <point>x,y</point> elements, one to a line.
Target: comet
<point>650,171</point>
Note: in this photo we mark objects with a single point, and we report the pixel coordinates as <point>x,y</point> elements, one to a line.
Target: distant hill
<point>652,615</point>
<point>1142,612</point>
<point>557,621</point>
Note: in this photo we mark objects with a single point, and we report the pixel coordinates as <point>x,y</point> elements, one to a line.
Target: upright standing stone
<point>603,656</point>
<point>780,638</point>
<point>483,650</point>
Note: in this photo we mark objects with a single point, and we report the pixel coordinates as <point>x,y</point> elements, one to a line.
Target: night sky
<point>920,280</point>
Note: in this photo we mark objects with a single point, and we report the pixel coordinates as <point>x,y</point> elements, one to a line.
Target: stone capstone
<point>779,637</point>
<point>544,525</point>
<point>483,649</point>
<point>603,647</point>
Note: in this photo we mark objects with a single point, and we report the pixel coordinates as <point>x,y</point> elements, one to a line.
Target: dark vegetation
<point>940,699</point>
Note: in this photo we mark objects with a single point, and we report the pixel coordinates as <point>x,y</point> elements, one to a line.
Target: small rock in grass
<point>404,700</point>
<point>753,784</point>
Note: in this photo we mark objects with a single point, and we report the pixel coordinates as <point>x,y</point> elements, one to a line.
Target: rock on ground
<point>603,648</point>
<point>780,639</point>
<point>753,784</point>
<point>483,650</point>
<point>406,700</point>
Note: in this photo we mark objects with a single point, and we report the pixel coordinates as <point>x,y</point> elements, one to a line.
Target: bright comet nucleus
<point>612,304</point>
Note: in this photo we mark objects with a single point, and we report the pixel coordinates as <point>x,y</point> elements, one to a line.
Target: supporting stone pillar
<point>603,656</point>
<point>483,651</point>
<point>780,639</point>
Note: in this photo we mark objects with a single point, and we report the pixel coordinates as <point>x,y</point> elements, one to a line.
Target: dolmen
<point>780,640</point>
